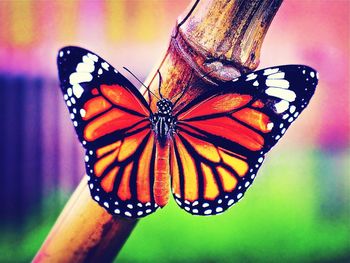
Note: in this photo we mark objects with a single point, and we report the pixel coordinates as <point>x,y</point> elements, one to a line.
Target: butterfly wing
<point>223,136</point>
<point>111,119</point>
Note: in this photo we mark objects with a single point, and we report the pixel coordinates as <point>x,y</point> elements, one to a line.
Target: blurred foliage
<point>298,211</point>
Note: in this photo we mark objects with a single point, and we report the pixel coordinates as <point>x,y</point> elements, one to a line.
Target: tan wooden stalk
<point>216,39</point>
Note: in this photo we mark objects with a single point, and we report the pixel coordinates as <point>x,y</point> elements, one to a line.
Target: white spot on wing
<point>287,95</point>
<point>69,92</point>
<point>128,214</point>
<point>270,126</point>
<point>256,83</point>
<point>88,60</point>
<point>79,77</point>
<point>281,106</point>
<point>85,67</point>
<point>292,109</point>
<point>279,75</point>
<point>93,57</point>
<point>208,212</point>
<point>279,83</point>
<point>61,53</point>
<point>105,65</point>
<point>251,76</point>
<point>78,90</point>
<point>270,71</point>
<point>219,209</point>
<point>82,112</point>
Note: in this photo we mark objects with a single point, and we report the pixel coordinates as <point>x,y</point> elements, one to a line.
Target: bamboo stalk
<point>222,37</point>
<point>217,36</point>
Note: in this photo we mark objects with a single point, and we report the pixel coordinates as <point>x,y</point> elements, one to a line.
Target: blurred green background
<point>298,210</point>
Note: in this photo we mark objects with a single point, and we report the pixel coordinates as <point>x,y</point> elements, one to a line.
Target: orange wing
<point>223,136</point>
<point>111,119</point>
<point>121,174</point>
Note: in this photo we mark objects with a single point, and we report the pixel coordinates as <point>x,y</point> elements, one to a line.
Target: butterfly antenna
<point>188,84</point>
<point>184,90</point>
<point>141,82</point>
<point>160,84</point>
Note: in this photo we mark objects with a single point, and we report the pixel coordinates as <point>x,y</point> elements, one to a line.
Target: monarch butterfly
<point>210,149</point>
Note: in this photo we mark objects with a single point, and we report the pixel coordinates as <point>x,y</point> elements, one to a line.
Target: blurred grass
<point>298,211</point>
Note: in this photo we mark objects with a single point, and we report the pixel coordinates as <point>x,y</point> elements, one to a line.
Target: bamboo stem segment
<point>85,232</point>
<point>217,39</point>
<point>213,41</point>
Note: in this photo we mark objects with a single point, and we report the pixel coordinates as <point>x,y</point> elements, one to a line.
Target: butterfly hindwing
<point>223,136</point>
<point>111,119</point>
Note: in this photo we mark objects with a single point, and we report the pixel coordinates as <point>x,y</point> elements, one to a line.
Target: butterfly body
<point>206,152</point>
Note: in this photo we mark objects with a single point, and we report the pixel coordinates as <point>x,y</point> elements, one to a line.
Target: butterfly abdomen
<point>162,173</point>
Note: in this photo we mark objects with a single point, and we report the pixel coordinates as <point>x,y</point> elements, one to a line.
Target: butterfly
<point>207,153</point>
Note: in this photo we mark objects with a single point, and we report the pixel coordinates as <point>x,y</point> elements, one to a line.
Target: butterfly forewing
<point>111,119</point>
<point>223,136</point>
